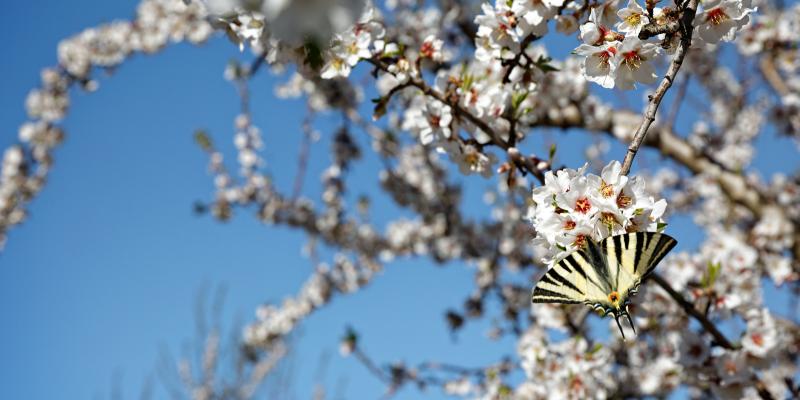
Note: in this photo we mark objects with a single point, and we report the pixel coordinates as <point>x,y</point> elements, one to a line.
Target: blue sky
<point>108,268</point>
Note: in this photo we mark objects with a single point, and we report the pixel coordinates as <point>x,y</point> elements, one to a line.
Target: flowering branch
<point>525,164</point>
<point>687,27</point>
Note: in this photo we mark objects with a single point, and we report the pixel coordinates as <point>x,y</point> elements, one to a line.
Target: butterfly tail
<point>616,318</point>
<point>630,320</point>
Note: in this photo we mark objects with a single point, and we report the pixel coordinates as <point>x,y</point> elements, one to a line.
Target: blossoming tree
<point>458,87</point>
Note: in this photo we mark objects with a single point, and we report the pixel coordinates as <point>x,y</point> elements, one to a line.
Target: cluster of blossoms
<point>569,369</point>
<point>275,322</point>
<point>775,30</point>
<point>27,164</point>
<point>572,207</point>
<point>624,57</point>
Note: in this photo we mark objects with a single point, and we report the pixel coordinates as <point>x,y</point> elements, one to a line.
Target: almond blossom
<point>633,63</point>
<point>600,64</point>
<point>632,18</point>
<point>721,19</point>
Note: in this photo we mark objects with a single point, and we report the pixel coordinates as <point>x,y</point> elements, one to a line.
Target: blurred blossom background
<point>114,277</point>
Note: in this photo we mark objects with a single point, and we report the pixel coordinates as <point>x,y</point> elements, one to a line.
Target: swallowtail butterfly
<point>605,275</point>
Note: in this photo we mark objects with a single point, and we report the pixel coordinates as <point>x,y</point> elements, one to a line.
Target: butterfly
<point>605,275</point>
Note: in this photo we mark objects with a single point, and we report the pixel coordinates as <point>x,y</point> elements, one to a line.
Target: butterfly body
<point>604,275</point>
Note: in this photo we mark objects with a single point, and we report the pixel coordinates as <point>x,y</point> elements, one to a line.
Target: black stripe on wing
<point>662,246</point>
<point>548,296</point>
<point>637,256</point>
<point>597,259</point>
<point>618,254</point>
<point>579,261</point>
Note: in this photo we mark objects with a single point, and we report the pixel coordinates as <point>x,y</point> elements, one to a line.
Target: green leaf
<point>552,154</point>
<point>517,99</point>
<point>711,274</point>
<point>543,63</point>
<point>203,140</point>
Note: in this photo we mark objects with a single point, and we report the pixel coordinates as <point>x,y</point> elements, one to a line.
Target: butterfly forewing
<point>573,280</point>
<point>632,256</point>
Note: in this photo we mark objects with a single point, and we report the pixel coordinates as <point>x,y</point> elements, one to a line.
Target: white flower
<point>599,66</point>
<point>632,18</point>
<point>460,387</point>
<point>499,32</point>
<point>247,28</point>
<point>347,51</point>
<point>470,160</point>
<point>694,350</point>
<point>732,367</point>
<point>535,14</point>
<point>432,48</point>
<point>297,20</point>
<point>566,24</point>
<point>721,19</point>
<point>403,70</point>
<point>594,32</point>
<point>429,120</point>
<point>761,336</point>
<point>633,59</point>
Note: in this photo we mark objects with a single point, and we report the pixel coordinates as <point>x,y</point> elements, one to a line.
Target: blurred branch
<point>692,311</point>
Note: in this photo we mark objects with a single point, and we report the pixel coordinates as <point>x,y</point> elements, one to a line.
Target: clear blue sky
<point>108,268</point>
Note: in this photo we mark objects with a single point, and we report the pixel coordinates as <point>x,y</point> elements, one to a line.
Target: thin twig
<point>687,27</point>
<point>691,310</point>
<point>374,369</point>
<point>302,158</point>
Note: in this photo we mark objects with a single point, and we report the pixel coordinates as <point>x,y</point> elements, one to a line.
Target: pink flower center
<point>717,16</point>
<point>757,339</point>
<point>569,225</point>
<point>632,59</point>
<point>730,367</point>
<point>427,50</point>
<point>580,241</point>
<point>583,205</point>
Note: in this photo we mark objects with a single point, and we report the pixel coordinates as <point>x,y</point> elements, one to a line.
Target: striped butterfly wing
<point>633,256</point>
<point>575,279</point>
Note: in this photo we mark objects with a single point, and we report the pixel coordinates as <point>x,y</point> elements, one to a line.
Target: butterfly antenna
<point>616,318</point>
<point>630,320</point>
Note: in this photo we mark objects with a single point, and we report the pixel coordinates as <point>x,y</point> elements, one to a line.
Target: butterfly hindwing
<point>560,285</point>
<point>573,280</point>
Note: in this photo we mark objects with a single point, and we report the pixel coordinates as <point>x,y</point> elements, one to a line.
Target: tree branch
<point>691,310</point>
<point>525,164</point>
<point>687,27</point>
